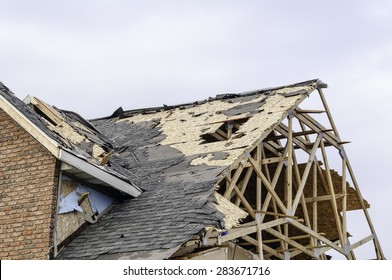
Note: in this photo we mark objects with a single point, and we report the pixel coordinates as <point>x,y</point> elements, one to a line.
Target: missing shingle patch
<point>226,131</point>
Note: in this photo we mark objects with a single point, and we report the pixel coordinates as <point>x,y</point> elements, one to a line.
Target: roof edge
<point>120,113</point>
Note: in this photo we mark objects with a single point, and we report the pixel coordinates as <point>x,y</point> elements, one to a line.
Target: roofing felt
<point>163,151</point>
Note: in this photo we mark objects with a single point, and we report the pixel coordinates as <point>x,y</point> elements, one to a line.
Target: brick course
<point>28,191</point>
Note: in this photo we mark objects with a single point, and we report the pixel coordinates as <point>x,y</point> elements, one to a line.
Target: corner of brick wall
<point>28,191</point>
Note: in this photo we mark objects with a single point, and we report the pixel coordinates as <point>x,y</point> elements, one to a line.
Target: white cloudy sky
<point>94,56</point>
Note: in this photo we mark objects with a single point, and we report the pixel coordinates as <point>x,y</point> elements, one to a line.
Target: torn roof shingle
<point>163,152</point>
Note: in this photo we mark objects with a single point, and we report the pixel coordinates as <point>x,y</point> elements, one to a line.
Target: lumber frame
<point>275,214</point>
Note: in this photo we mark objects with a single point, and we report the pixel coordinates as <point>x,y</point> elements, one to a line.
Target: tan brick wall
<point>28,185</point>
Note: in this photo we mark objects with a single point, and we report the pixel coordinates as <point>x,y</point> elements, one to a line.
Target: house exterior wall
<point>28,194</point>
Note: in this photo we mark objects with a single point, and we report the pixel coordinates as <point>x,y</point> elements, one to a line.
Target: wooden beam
<point>236,233</point>
<point>272,149</point>
<point>270,189</point>
<point>316,235</point>
<point>48,110</point>
<point>233,181</point>
<point>323,198</point>
<point>314,208</point>
<point>289,170</point>
<point>244,184</point>
<point>291,242</point>
<point>276,214</point>
<point>296,134</point>
<point>275,208</point>
<point>300,111</point>
<point>344,208</point>
<point>284,130</point>
<point>298,237</point>
<point>332,193</point>
<point>313,124</point>
<point>244,201</point>
<point>275,179</point>
<point>273,160</point>
<point>265,247</point>
<point>259,239</point>
<point>242,231</point>
<point>361,242</point>
<point>303,202</point>
<point>306,173</point>
<point>324,101</point>
<point>258,180</point>
<point>218,136</point>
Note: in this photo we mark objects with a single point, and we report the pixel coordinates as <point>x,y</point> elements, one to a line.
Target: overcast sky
<point>94,56</point>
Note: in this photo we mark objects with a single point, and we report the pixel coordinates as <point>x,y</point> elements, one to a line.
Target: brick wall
<point>28,185</point>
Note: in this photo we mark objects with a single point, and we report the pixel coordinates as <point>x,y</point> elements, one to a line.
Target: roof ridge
<point>120,113</point>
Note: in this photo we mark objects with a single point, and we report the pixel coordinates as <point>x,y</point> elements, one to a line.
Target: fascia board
<point>98,173</point>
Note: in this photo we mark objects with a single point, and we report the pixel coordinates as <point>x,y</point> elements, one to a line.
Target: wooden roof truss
<point>287,201</point>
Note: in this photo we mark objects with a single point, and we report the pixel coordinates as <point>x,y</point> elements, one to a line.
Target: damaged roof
<point>69,138</point>
<point>166,152</point>
<point>175,154</point>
